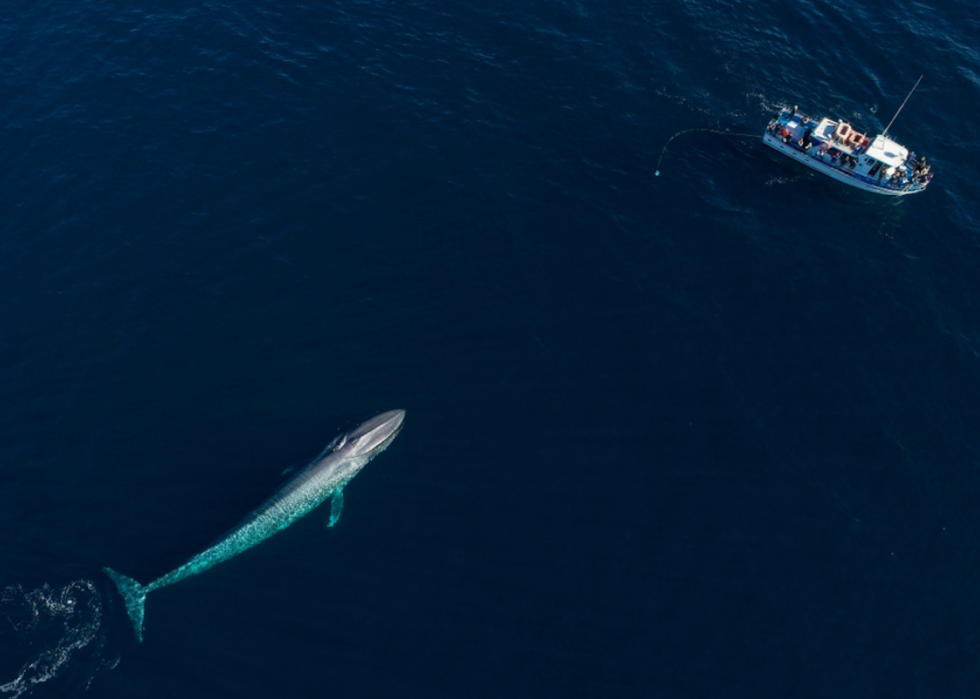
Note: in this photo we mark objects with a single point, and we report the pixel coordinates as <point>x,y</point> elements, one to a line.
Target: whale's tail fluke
<point>135,596</point>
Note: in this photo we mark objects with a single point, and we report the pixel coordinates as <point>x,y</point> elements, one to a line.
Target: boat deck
<point>836,149</point>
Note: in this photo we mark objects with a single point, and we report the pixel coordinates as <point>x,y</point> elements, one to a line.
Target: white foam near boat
<point>836,149</point>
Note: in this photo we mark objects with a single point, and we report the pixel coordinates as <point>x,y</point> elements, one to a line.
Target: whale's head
<point>372,437</point>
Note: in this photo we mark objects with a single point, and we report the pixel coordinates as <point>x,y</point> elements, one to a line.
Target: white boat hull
<point>840,174</point>
<point>836,149</point>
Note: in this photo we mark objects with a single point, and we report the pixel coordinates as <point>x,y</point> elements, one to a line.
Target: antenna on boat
<point>903,104</point>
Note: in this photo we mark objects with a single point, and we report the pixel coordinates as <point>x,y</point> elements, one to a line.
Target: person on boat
<point>921,169</point>
<point>807,140</point>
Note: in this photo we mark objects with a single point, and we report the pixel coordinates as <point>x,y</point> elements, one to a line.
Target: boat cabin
<point>884,153</point>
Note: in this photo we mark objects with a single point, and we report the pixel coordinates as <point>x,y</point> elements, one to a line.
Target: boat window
<point>874,169</point>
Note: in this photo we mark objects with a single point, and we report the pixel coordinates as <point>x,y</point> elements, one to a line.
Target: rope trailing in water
<point>726,133</point>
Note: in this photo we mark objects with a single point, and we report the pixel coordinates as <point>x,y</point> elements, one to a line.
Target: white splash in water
<point>74,613</point>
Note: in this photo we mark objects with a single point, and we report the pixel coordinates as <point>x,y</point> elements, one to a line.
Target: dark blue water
<point>707,434</point>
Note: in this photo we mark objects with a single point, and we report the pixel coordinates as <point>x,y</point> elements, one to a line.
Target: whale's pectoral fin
<point>336,506</point>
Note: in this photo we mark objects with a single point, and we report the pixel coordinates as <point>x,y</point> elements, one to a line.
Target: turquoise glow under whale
<point>324,478</point>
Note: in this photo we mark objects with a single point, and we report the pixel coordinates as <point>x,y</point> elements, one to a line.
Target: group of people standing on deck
<point>915,172</point>
<point>918,169</point>
<point>838,158</point>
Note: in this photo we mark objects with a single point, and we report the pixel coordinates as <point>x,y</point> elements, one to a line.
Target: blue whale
<point>324,478</point>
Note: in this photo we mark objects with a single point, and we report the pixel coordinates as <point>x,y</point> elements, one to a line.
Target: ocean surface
<point>712,433</point>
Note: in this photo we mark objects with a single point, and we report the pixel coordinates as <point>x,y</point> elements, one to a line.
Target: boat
<point>835,148</point>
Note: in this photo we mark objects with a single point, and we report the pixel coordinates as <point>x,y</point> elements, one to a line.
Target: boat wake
<point>59,634</point>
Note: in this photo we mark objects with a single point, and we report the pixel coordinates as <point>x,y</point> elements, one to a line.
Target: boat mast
<point>903,104</point>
